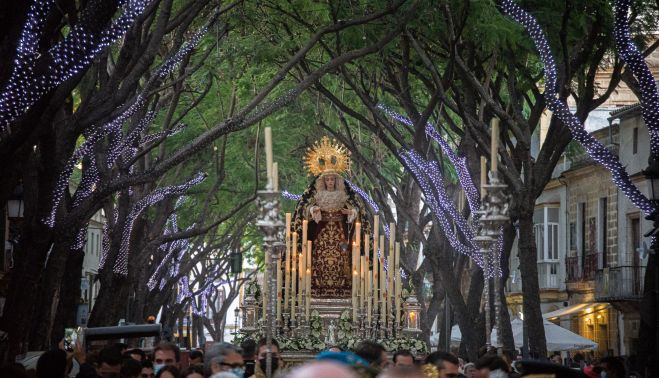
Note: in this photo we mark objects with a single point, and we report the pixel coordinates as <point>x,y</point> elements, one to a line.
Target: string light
<point>631,54</point>
<point>118,145</point>
<point>560,109</point>
<point>290,196</point>
<point>458,162</point>
<point>26,85</point>
<point>432,192</point>
<point>121,264</point>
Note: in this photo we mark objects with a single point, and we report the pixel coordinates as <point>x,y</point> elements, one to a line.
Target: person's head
<point>372,352</point>
<point>402,372</point>
<point>447,364</point>
<point>613,366</point>
<point>131,368</point>
<point>165,354</point>
<point>109,360</point>
<point>193,371</point>
<point>147,369</point>
<point>470,370</point>
<point>136,354</point>
<point>490,363</point>
<point>196,357</point>
<point>329,182</point>
<point>168,371</point>
<point>557,359</point>
<point>334,349</point>
<point>121,347</point>
<point>403,358</point>
<point>262,352</point>
<point>52,364</point>
<point>224,357</point>
<point>249,349</point>
<point>509,357</point>
<point>322,369</point>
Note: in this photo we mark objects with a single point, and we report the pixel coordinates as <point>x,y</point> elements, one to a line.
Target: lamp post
<point>236,312</point>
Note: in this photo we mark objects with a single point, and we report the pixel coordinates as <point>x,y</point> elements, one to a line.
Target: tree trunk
<point>70,295</point>
<point>509,236</point>
<point>649,326</point>
<point>49,296</point>
<point>112,299</point>
<point>530,289</point>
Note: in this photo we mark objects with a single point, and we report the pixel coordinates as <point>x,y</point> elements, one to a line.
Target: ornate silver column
<point>494,217</point>
<point>272,227</point>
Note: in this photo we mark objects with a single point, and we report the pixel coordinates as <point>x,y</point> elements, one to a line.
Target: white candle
<point>383,284</point>
<point>399,283</point>
<point>308,262</point>
<point>308,298</point>
<point>495,145</point>
<point>293,272</point>
<point>483,175</point>
<point>287,262</point>
<point>376,269</point>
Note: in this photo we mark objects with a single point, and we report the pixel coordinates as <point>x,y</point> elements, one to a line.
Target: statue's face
<point>330,182</point>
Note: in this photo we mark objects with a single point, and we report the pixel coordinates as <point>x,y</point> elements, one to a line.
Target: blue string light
<point>121,264</point>
<point>458,162</point>
<point>631,54</point>
<point>560,109</point>
<point>65,59</point>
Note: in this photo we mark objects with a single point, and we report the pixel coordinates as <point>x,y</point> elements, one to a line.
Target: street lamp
<point>236,312</point>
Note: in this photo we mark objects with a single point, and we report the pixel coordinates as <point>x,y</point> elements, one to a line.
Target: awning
<point>573,309</point>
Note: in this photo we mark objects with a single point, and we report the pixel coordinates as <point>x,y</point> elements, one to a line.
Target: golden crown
<point>327,157</point>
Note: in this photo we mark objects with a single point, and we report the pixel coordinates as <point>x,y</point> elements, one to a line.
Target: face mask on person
<point>239,372</point>
<point>275,364</point>
<point>157,367</point>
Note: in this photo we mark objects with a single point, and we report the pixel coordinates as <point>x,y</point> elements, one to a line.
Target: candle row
<point>377,290</point>
<point>376,280</point>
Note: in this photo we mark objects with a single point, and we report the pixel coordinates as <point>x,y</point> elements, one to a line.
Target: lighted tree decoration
<point>561,110</point>
<point>631,54</point>
<point>35,74</point>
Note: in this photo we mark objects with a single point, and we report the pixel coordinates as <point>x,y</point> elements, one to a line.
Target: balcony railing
<point>589,266</point>
<point>548,274</point>
<point>586,273</point>
<point>619,283</point>
<point>573,273</point>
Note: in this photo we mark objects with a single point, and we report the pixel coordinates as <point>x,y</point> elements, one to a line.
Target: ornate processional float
<point>332,278</point>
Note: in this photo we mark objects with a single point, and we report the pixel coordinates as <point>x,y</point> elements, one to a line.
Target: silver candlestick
<point>271,226</point>
<point>494,217</point>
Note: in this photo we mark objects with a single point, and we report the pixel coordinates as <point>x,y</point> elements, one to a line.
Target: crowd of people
<point>369,359</point>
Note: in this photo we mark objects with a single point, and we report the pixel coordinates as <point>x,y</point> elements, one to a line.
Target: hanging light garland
<point>560,109</point>
<point>631,54</point>
<point>67,58</point>
<point>458,162</point>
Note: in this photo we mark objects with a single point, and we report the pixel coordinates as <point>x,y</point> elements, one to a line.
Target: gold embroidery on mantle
<point>330,270</point>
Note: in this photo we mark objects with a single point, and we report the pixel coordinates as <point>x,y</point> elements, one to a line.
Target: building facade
<point>590,243</point>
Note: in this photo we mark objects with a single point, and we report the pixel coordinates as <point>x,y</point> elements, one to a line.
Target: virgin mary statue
<point>331,209</point>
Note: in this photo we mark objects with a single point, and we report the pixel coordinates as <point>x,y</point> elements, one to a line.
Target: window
<point>635,140</point>
<point>602,231</point>
<point>581,229</point>
<point>573,236</point>
<point>545,226</point>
